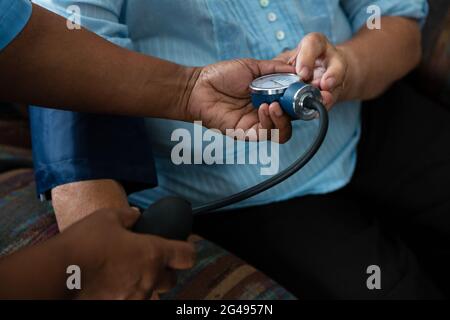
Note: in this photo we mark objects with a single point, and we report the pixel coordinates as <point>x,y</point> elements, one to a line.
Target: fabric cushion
<point>14,153</point>
<point>220,275</point>
<point>24,220</point>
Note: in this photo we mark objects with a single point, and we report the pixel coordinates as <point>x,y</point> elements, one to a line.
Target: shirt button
<point>272,17</point>
<point>264,3</point>
<point>281,35</point>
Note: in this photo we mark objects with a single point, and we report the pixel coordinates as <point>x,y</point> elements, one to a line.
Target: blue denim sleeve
<point>14,15</point>
<point>358,13</point>
<point>69,146</point>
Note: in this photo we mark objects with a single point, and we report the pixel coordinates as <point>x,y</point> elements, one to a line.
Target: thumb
<point>128,217</point>
<point>179,255</point>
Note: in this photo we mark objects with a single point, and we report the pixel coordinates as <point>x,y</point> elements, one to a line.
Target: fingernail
<point>278,112</point>
<point>331,82</point>
<point>304,73</point>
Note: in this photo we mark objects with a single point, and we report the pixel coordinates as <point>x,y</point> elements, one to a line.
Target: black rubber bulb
<point>170,218</point>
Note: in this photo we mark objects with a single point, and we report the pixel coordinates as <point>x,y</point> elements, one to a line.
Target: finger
<point>293,60</point>
<point>328,99</point>
<point>193,238</point>
<point>312,47</point>
<point>334,97</point>
<point>138,296</point>
<point>155,296</point>
<point>281,121</point>
<point>179,255</point>
<point>283,57</point>
<point>264,117</point>
<point>335,74</point>
<point>264,67</point>
<point>167,280</point>
<point>287,56</point>
<point>128,216</point>
<point>319,71</point>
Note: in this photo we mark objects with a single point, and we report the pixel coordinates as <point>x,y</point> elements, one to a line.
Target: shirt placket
<point>272,14</point>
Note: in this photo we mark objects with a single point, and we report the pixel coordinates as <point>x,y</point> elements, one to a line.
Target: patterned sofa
<point>218,274</point>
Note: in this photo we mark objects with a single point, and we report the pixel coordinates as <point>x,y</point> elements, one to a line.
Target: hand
<point>320,63</point>
<point>118,264</point>
<point>221,98</point>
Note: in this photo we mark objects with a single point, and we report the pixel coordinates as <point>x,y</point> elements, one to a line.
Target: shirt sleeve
<point>357,10</point>
<point>99,16</point>
<point>14,15</point>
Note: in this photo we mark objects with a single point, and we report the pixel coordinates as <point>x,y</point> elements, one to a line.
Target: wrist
<point>190,78</point>
<point>353,75</point>
<point>163,89</point>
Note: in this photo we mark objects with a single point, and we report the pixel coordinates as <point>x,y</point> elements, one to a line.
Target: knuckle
<point>246,61</point>
<point>340,66</point>
<point>343,68</point>
<point>315,37</point>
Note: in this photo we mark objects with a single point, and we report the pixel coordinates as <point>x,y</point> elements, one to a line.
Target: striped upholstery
<point>220,275</point>
<point>24,220</point>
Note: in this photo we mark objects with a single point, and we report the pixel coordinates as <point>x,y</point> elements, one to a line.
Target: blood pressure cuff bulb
<point>71,147</point>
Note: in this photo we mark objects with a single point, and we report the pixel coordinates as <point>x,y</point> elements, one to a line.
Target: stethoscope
<point>172,217</point>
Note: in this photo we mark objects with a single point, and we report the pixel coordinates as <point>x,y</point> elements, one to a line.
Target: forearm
<point>377,58</point>
<point>37,272</point>
<point>50,65</point>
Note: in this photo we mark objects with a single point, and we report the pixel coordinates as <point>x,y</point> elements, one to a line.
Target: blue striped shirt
<point>200,32</point>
